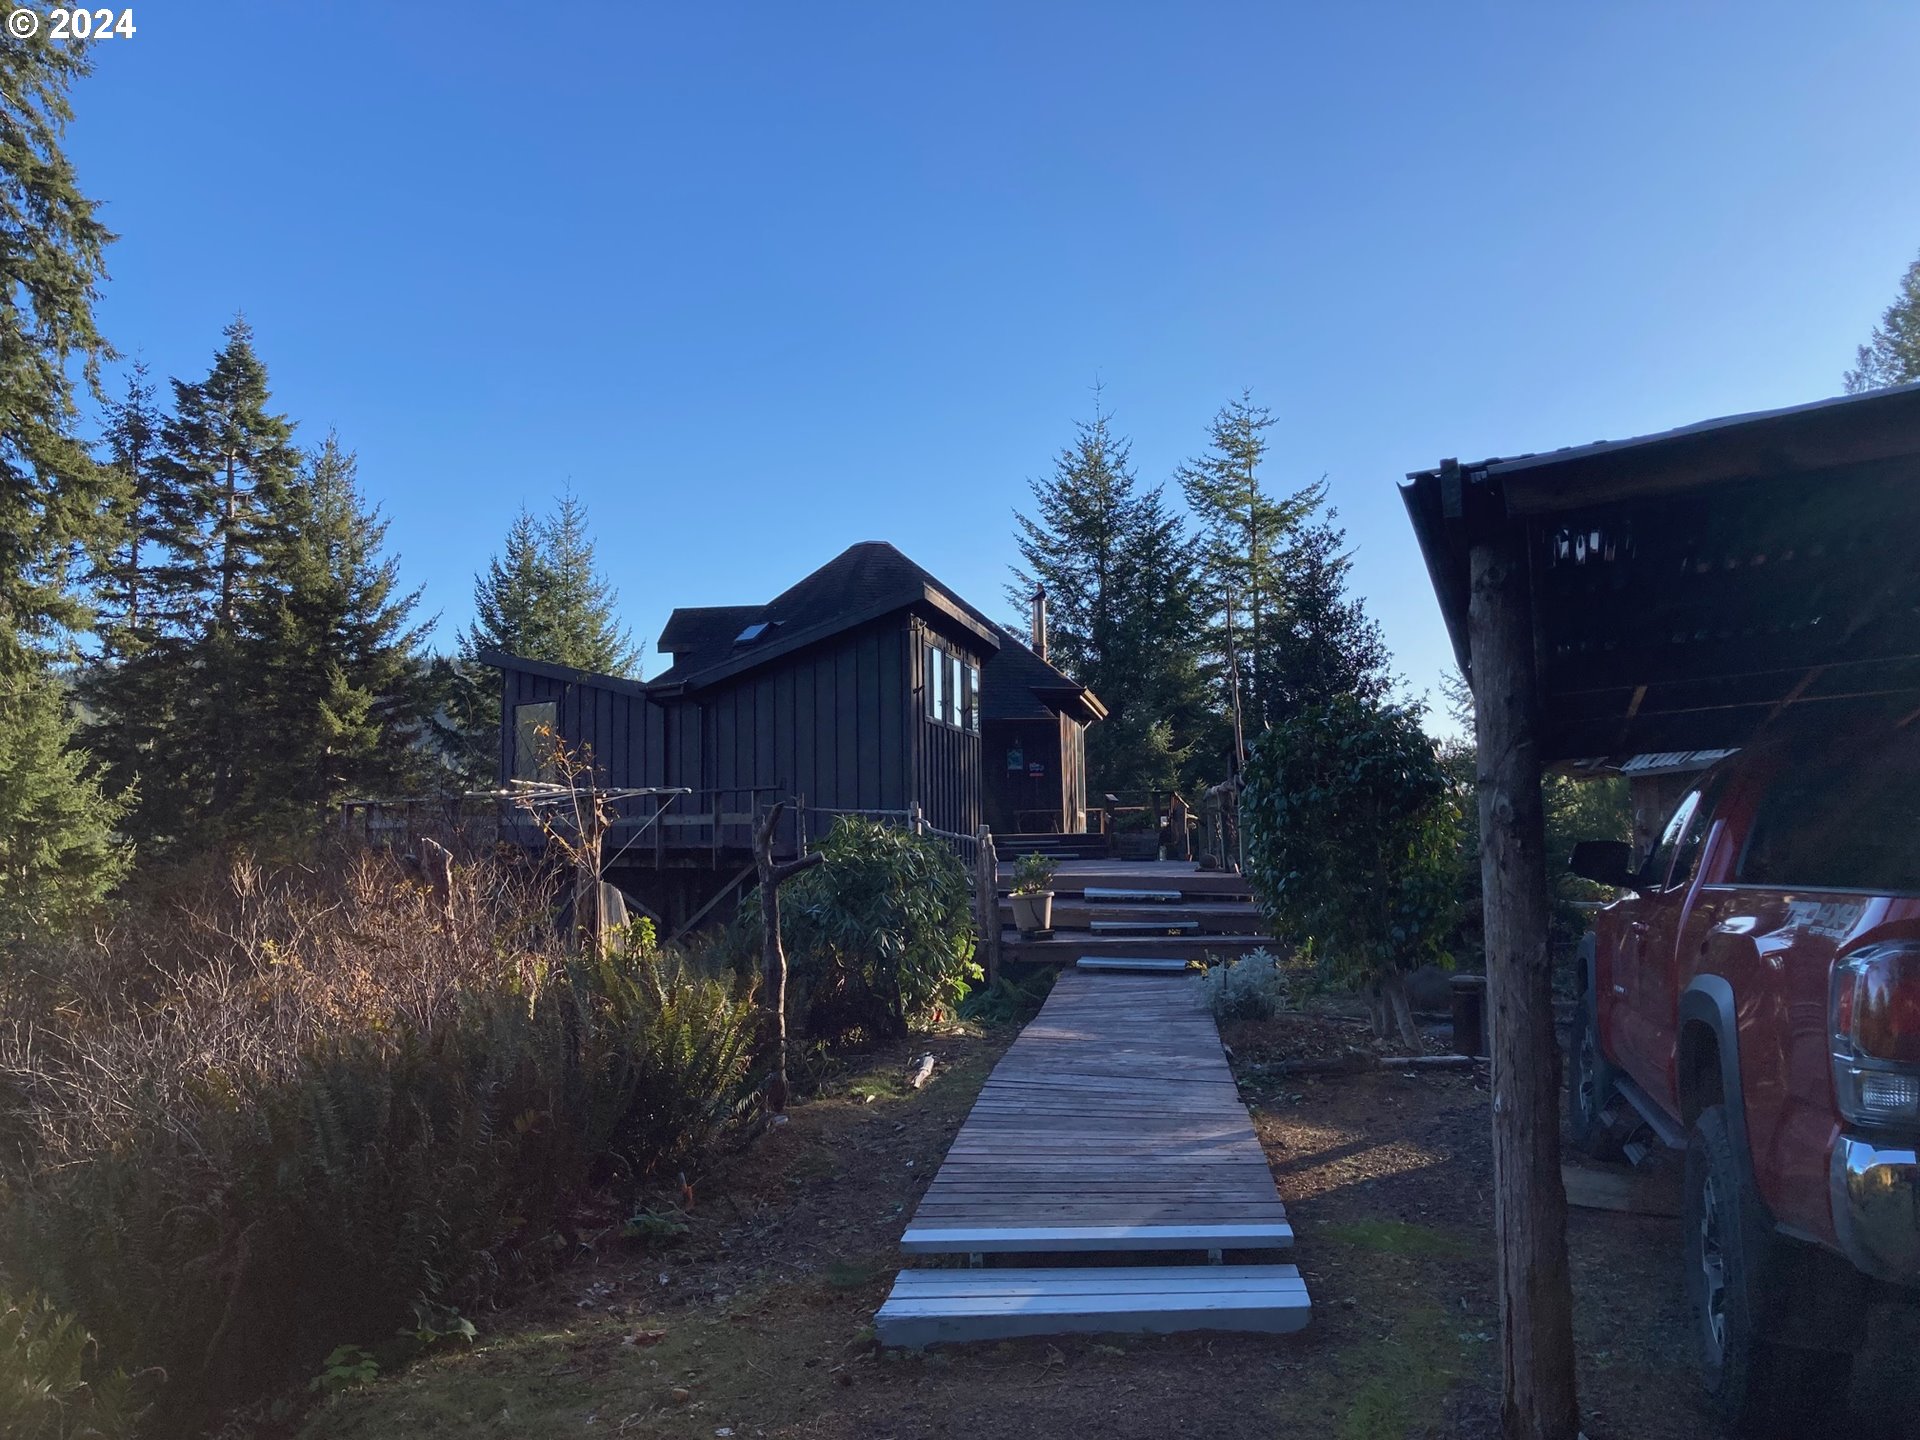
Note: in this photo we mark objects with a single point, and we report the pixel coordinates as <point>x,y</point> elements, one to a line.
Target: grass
<point>1402,1378</point>
<point>1397,1237</point>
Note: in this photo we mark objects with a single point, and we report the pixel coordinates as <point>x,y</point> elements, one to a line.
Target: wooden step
<point>1074,878</point>
<point>1115,895</point>
<point>1137,965</point>
<point>1211,916</point>
<point>1156,926</point>
<point>928,1307</point>
<point>1101,1239</point>
<point>1066,947</point>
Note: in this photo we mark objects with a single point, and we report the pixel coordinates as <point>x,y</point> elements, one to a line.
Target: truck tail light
<point>1875,1010</point>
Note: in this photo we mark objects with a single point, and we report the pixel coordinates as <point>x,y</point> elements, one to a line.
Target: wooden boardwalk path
<point>1112,1124</point>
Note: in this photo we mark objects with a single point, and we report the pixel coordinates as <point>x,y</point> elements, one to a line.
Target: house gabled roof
<point>1017,684</point>
<point>862,583</point>
<point>865,582</point>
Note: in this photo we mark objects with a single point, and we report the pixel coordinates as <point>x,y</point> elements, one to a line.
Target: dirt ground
<point>758,1320</point>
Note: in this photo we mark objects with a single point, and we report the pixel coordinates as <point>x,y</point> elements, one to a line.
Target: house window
<point>536,728</point>
<point>953,689</point>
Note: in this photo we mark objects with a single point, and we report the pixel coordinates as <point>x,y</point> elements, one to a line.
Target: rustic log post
<point>589,905</point>
<point>773,955</point>
<point>1530,1201</point>
<point>986,902</point>
<point>436,863</point>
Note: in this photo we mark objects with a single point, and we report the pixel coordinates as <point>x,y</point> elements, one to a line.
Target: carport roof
<point>1691,587</point>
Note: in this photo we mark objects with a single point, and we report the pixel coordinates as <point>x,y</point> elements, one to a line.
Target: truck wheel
<point>1589,1088</point>
<point>1757,1386</point>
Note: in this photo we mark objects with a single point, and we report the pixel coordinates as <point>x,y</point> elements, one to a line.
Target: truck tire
<point>1734,1269</point>
<point>1589,1087</point>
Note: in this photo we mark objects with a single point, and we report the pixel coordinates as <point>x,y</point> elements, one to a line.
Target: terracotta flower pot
<point>1033,912</point>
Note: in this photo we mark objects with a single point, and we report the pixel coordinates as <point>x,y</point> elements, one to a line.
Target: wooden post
<point>436,863</point>
<point>774,874</point>
<point>1530,1200</point>
<point>718,810</point>
<point>986,902</point>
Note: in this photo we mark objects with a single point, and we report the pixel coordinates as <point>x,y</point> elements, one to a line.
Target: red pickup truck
<point>1754,995</point>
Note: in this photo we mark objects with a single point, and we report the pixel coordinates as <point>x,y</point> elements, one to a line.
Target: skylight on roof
<point>753,632</point>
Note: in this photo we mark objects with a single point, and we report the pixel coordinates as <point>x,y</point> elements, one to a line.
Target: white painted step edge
<point>1151,897</point>
<point>1276,1306</point>
<point>1129,962</point>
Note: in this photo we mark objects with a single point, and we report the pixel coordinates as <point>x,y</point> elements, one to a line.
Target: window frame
<point>541,768</point>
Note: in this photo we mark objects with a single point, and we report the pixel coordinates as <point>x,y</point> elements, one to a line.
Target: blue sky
<point>759,280</point>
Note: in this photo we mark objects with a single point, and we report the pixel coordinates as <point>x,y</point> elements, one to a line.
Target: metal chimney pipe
<point>1040,621</point>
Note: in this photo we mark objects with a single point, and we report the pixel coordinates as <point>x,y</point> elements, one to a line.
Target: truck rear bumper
<point>1876,1207</point>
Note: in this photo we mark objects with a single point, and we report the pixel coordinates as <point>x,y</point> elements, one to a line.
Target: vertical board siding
<point>842,723</point>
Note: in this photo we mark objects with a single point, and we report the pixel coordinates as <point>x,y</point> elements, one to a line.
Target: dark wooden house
<point>869,686</point>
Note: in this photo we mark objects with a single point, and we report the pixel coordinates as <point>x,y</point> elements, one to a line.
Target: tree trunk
<point>1530,1201</point>
<point>773,955</point>
<point>1393,990</point>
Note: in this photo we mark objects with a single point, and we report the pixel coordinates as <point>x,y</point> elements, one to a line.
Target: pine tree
<point>230,460</point>
<point>1245,533</point>
<point>326,634</point>
<point>1892,355</point>
<point>151,609</point>
<point>545,599</point>
<point>144,584</point>
<point>59,850</point>
<point>51,262</point>
<point>1115,565</point>
<point>226,447</point>
<point>1321,643</point>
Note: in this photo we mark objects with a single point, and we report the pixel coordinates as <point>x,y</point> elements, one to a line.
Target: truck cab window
<point>1672,860</point>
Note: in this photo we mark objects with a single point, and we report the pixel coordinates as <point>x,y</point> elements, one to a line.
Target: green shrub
<point>1249,988</point>
<point>52,1386</point>
<point>879,937</point>
<point>1352,836</point>
<point>219,1191</point>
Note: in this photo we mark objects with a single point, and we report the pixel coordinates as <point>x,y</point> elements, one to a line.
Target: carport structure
<point>1678,591</point>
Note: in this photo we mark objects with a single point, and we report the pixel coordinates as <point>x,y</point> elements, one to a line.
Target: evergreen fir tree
<point>51,492</point>
<point>1245,533</point>
<point>225,447</point>
<point>545,599</point>
<point>327,635</point>
<point>230,459</point>
<point>1321,643</point>
<point>1891,355</point>
<point>150,591</point>
<point>1115,565</point>
<point>145,584</point>
<point>59,851</point>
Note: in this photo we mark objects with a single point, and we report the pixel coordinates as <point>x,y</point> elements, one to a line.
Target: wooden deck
<point>1112,1123</point>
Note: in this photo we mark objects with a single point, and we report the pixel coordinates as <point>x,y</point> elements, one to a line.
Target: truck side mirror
<point>1605,862</point>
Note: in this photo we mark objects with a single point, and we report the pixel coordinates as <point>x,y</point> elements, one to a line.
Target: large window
<point>535,731</point>
<point>953,689</point>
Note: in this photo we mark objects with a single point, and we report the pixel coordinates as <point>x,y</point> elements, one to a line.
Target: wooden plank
<point>1108,894</point>
<point>1130,963</point>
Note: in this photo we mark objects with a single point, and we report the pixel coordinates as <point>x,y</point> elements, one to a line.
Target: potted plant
<point>1033,894</point>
